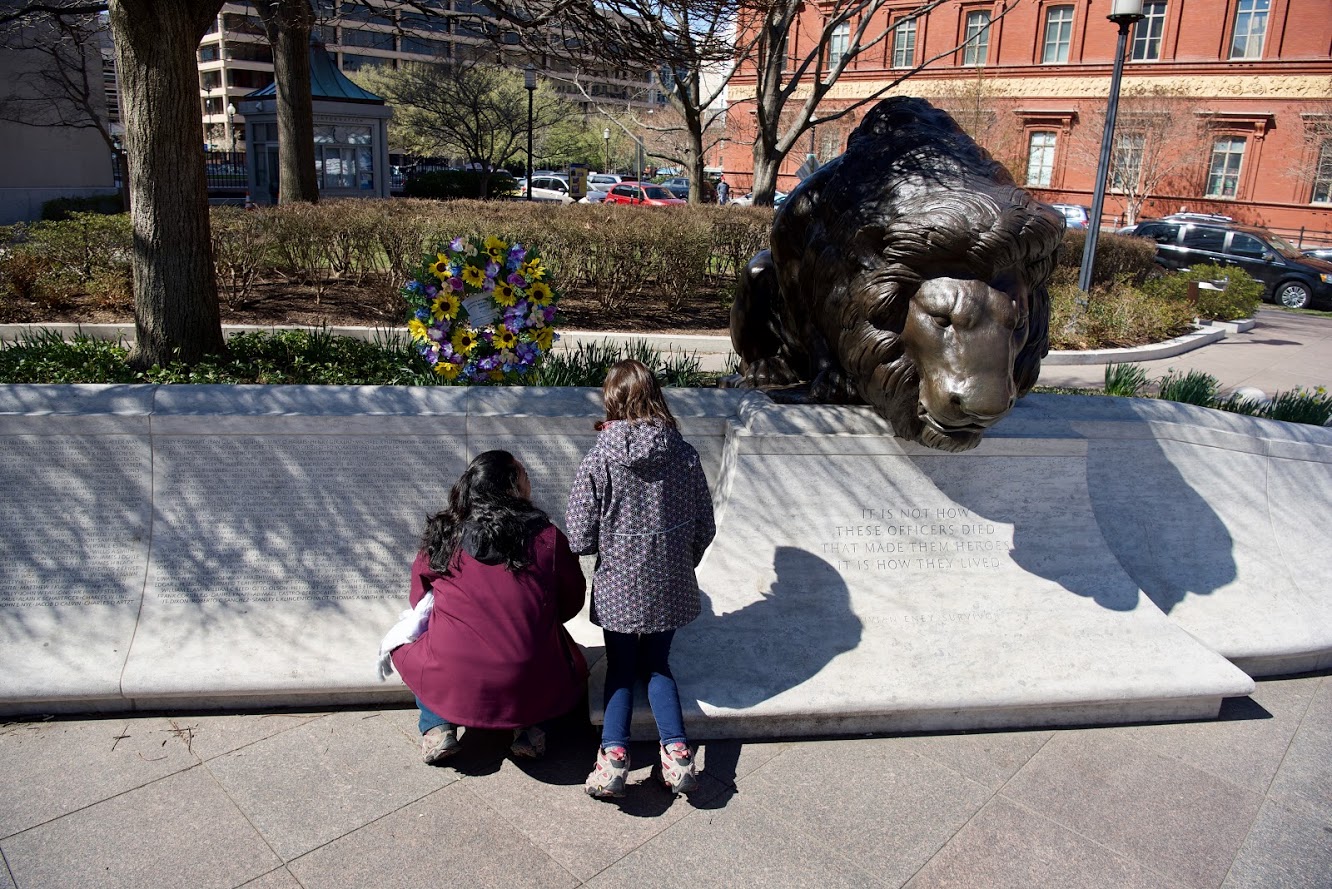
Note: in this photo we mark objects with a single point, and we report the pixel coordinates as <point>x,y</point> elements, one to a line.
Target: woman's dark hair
<point>631,392</point>
<point>485,506</point>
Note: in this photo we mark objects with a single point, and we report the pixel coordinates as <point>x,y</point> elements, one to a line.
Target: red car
<point>642,193</point>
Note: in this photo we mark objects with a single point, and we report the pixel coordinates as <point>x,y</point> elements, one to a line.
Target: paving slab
<point>179,831</point>
<point>1006,846</point>
<point>448,838</point>
<point>274,879</point>
<point>989,758</point>
<point>1305,775</point>
<point>1138,803</point>
<point>1287,848</point>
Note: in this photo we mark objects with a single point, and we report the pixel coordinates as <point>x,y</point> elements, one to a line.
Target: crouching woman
<point>494,653</point>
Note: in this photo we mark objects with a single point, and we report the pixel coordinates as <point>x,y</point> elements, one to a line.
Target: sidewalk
<point>341,800</point>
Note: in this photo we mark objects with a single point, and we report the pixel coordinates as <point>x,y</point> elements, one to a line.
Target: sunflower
<point>418,329</point>
<point>504,338</point>
<point>540,294</point>
<point>444,307</point>
<point>448,370</point>
<point>533,270</point>
<point>504,294</point>
<point>545,338</point>
<point>440,267</point>
<point>473,276</point>
<point>464,340</point>
<point>496,248</point>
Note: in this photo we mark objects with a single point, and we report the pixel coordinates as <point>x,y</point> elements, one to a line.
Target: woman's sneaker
<point>439,743</point>
<point>609,775</point>
<point>528,743</point>
<point>677,768</point>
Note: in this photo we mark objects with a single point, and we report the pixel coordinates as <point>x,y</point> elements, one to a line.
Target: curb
<point>713,352</point>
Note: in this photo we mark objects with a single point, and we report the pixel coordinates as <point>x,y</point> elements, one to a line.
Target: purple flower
<point>517,280</point>
<point>456,283</point>
<point>431,290</point>
<point>527,352</point>
<point>515,316</point>
<point>446,350</point>
<point>457,244</point>
<point>492,269</point>
<point>549,313</point>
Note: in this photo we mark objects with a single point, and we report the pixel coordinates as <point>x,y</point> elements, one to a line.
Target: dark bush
<point>1118,258</point>
<point>443,185</point>
<point>59,209</point>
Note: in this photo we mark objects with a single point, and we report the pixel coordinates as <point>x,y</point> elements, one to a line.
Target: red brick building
<point>1226,105</point>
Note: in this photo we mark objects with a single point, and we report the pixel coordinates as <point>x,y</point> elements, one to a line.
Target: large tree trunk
<point>289,23</point>
<point>176,313</point>
<point>766,167</point>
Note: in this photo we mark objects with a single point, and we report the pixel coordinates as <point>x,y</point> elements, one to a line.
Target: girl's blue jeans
<point>630,656</point>
<point>429,719</point>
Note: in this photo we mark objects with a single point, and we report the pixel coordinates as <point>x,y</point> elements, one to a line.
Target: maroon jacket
<point>495,654</point>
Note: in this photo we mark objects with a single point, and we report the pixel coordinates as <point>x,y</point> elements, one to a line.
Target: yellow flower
<point>496,375</point>
<point>417,329</point>
<point>444,307</point>
<point>464,340</point>
<point>504,338</point>
<point>533,270</point>
<point>448,370</point>
<point>504,294</point>
<point>540,294</point>
<point>473,276</point>
<point>440,267</point>
<point>495,247</point>
<point>546,338</point>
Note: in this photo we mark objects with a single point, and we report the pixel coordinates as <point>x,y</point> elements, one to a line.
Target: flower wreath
<point>482,310</point>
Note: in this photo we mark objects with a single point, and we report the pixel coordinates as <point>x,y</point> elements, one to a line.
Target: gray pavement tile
<point>1306,772</point>
<point>1286,849</point>
<point>209,736</point>
<point>884,808</point>
<point>729,761</point>
<point>48,769</point>
<point>274,879</point>
<point>450,838</point>
<point>1008,847</point>
<point>744,844</point>
<point>1175,819</point>
<point>989,758</point>
<point>1246,744</point>
<point>318,781</point>
<point>179,831</point>
<point>6,881</point>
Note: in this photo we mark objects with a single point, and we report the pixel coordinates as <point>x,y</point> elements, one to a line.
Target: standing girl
<point>641,503</point>
<point>494,653</point>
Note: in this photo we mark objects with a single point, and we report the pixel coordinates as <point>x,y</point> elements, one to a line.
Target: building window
<point>838,43</point>
<point>1322,184</point>
<point>1147,32</point>
<point>1058,35</point>
<point>1126,167</point>
<point>904,44</point>
<point>977,46</point>
<point>1040,158</point>
<point>1223,172</point>
<point>343,157</point>
<point>1250,29</point>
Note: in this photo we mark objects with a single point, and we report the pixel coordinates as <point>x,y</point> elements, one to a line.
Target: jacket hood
<point>642,446</point>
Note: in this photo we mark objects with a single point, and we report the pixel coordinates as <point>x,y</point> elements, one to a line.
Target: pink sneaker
<point>609,774</point>
<point>677,768</point>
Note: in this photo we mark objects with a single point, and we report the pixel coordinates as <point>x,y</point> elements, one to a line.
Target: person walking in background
<point>494,653</point>
<point>723,191</point>
<point>640,501</point>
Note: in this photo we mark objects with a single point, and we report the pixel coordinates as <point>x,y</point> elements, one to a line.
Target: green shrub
<point>60,209</point>
<point>1193,387</point>
<point>74,252</point>
<point>1125,380</point>
<point>1239,298</point>
<point>443,185</point>
<point>1118,258</point>
<point>1301,406</point>
<point>1113,316</point>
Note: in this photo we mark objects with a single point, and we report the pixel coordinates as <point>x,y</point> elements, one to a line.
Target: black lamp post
<point>529,83</point>
<point>1123,13</point>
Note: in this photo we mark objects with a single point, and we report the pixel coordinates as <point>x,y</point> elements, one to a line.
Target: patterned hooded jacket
<point>640,501</point>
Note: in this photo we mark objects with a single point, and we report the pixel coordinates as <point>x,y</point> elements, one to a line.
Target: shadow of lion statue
<point>910,274</point>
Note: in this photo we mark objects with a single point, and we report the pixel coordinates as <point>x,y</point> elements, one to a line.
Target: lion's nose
<point>983,406</point>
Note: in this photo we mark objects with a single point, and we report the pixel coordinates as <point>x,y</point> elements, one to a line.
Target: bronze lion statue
<point>910,274</point>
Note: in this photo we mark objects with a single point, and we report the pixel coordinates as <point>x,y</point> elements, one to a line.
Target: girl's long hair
<point>485,503</point>
<point>632,393</point>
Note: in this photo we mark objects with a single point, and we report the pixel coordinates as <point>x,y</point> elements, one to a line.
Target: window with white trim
<point>838,43</point>
<point>977,48</point>
<point>1040,158</point>
<point>1147,32</point>
<point>1224,170</point>
<point>1058,35</point>
<point>1250,28</point>
<point>1322,184</point>
<point>904,44</point>
<point>1126,165</point>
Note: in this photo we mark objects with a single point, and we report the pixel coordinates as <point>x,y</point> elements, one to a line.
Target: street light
<point>605,137</point>
<point>529,84</point>
<point>1123,13</point>
<point>231,125</point>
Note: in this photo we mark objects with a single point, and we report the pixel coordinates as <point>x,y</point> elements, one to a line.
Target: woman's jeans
<point>630,656</point>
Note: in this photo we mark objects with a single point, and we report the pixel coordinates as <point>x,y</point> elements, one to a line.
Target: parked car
<point>1288,278</point>
<point>547,188</point>
<point>747,200</point>
<point>609,180</point>
<point>642,193</point>
<point>1319,252</point>
<point>678,186</point>
<point>1075,215</point>
<point>595,196</point>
